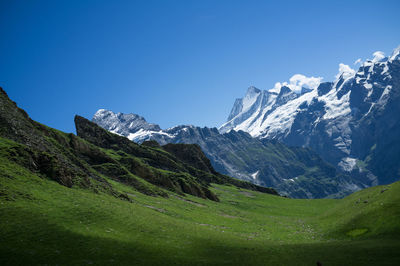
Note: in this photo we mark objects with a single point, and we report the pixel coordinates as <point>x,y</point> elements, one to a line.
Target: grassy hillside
<point>43,222</point>
<point>87,162</point>
<point>98,198</point>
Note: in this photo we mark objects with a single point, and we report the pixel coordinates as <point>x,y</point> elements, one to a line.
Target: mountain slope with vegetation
<point>102,199</point>
<point>71,160</point>
<point>43,222</point>
<point>296,172</point>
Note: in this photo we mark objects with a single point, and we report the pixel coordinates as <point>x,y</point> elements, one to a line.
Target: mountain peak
<point>284,90</point>
<point>395,54</point>
<point>252,91</point>
<point>122,124</point>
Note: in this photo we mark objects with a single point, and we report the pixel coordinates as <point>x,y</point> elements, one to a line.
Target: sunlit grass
<point>42,222</point>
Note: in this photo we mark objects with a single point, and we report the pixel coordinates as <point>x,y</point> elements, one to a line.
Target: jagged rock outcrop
<point>295,172</point>
<point>96,156</point>
<point>351,122</point>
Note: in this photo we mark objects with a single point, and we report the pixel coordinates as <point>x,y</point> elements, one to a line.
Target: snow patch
<point>384,97</point>
<point>281,119</point>
<point>255,175</point>
<point>250,98</point>
<point>348,164</point>
<point>385,69</point>
<point>335,107</point>
<point>368,86</point>
<point>292,179</point>
<point>115,131</point>
<point>395,54</point>
<point>142,135</point>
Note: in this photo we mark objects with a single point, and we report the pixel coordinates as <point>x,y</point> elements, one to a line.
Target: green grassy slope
<point>88,162</point>
<point>43,222</point>
<point>177,167</point>
<point>102,199</point>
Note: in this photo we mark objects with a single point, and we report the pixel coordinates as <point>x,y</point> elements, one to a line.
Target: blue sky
<point>176,62</point>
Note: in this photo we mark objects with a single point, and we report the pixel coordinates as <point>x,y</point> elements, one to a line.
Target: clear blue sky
<point>176,62</point>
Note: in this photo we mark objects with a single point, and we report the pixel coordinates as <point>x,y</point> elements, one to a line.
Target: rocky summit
<point>351,122</point>
<point>294,171</point>
<point>322,140</point>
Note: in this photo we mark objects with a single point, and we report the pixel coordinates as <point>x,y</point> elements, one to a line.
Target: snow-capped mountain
<point>296,172</point>
<point>352,123</point>
<point>132,126</point>
<point>136,128</point>
<point>258,112</point>
<point>123,124</point>
<point>344,121</point>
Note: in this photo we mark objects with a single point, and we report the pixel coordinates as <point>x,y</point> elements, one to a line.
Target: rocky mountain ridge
<point>338,120</point>
<point>343,121</point>
<point>96,158</point>
<point>293,171</point>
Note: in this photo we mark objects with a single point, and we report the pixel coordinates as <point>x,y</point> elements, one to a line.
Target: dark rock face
<point>377,134</point>
<point>368,133</point>
<point>324,88</point>
<point>151,143</point>
<point>44,148</point>
<point>181,159</point>
<point>351,123</point>
<point>192,155</point>
<point>296,172</point>
<point>176,180</point>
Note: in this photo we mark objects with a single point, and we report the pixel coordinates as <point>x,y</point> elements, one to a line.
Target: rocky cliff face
<point>123,124</point>
<point>295,172</point>
<point>96,156</point>
<point>177,167</point>
<point>351,122</point>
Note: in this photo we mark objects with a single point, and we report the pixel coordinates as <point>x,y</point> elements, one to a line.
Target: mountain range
<point>98,198</point>
<point>322,140</point>
<point>351,122</point>
<point>95,157</point>
<point>293,171</point>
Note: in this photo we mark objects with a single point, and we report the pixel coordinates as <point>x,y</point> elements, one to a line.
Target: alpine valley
<point>122,191</point>
<point>306,138</point>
